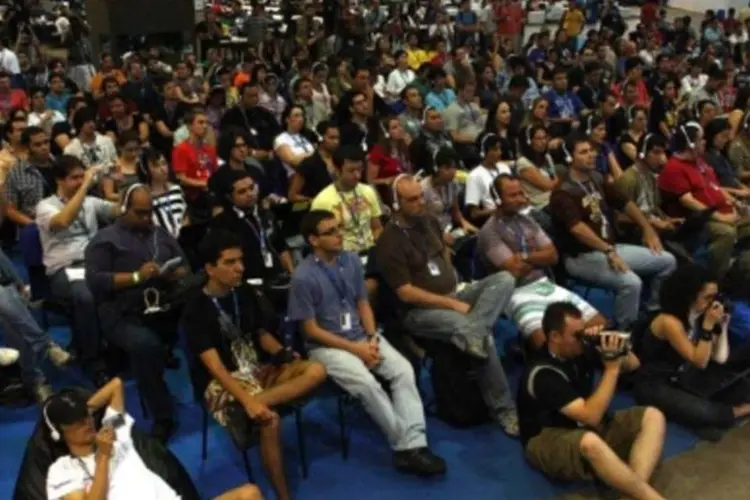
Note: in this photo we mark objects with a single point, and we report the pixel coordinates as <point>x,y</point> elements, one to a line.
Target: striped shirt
<point>169,210</point>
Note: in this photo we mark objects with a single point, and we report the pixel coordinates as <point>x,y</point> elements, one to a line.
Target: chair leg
<point>248,468</point>
<point>144,408</point>
<point>301,442</point>
<point>342,427</point>
<point>204,435</point>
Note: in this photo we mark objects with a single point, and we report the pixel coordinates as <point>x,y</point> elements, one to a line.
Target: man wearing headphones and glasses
<point>104,463</point>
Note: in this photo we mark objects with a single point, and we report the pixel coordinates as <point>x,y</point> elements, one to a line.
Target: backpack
<point>455,383</point>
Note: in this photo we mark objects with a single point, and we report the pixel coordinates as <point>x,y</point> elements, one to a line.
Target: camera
<point>595,340</point>
<point>725,302</point>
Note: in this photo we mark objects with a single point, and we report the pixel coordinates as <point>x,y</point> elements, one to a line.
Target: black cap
<point>66,407</point>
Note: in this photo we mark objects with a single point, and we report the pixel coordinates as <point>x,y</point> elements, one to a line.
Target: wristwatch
<point>136,277</point>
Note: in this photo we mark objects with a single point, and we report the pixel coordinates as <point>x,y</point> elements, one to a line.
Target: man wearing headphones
<point>432,138</point>
<point>67,222</point>
<point>128,266</point>
<point>584,206</point>
<point>105,463</point>
<point>479,199</point>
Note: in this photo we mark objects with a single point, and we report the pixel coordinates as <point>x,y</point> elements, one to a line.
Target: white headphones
<point>644,146</point>
<point>426,110</point>
<point>384,129</point>
<point>394,187</point>
<point>528,135</point>
<point>683,129</point>
<point>53,432</point>
<point>128,194</point>
<point>589,122</point>
<point>568,157</point>
<point>483,144</point>
<point>746,121</point>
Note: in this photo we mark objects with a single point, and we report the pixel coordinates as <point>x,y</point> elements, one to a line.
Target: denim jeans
<point>400,416</point>
<point>24,334</point>
<point>489,298</point>
<point>78,298</point>
<point>594,268</point>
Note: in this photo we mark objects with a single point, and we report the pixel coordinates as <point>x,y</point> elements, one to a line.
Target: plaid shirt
<point>26,186</point>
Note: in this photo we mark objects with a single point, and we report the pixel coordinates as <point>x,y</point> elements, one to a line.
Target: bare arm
<point>194,183</point>
<point>17,216</point>
<point>672,330</point>
<point>285,154</point>
<point>590,411</point>
<point>295,189</point>
<point>540,181</point>
<point>112,395</point>
<point>313,331</point>
<point>366,315</point>
<point>583,233</point>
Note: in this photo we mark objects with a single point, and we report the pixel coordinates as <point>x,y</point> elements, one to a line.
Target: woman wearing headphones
<point>499,123</point>
<point>738,151</point>
<point>606,160</point>
<point>717,138</point>
<point>627,143</point>
<point>664,108</point>
<point>704,111</point>
<point>536,168</point>
<point>101,461</point>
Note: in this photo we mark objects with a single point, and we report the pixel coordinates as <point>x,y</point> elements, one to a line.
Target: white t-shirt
<point>297,142</point>
<point>479,184</point>
<point>37,119</point>
<point>101,152</point>
<point>9,61</point>
<point>63,247</point>
<point>129,478</point>
<point>397,81</point>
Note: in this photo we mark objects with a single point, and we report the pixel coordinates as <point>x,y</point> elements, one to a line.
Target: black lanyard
<point>89,476</point>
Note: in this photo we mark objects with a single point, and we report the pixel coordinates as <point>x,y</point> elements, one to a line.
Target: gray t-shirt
<point>468,118</point>
<point>63,247</point>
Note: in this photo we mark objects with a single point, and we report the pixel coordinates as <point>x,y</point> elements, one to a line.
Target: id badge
<point>345,319</point>
<point>268,260</point>
<point>433,268</point>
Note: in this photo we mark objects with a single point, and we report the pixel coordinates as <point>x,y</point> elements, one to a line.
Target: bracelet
<point>136,277</point>
<point>706,335</point>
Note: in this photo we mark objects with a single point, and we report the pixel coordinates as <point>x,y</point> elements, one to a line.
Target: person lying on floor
<point>226,326</point>
<point>104,464</point>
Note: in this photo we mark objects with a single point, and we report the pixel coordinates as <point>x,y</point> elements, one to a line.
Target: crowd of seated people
<point>229,199</point>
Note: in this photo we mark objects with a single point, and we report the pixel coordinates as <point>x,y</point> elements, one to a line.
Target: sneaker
<point>474,347</point>
<point>59,356</point>
<point>42,392</point>
<point>419,462</point>
<point>508,421</point>
<point>8,356</point>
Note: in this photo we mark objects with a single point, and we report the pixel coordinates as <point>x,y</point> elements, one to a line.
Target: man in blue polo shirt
<point>329,300</point>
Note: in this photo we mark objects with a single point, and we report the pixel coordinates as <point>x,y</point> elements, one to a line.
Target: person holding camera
<point>104,462</point>
<point>688,371</point>
<point>566,429</point>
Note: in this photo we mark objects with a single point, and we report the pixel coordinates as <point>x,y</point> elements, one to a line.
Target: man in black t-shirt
<point>566,430</point>
<point>227,327</point>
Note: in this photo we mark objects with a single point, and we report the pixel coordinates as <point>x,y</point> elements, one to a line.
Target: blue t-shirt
<point>327,292</point>
<point>565,105</point>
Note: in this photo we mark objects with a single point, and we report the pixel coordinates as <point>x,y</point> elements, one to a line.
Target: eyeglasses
<point>331,232</point>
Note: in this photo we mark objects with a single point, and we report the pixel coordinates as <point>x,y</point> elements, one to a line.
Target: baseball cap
<point>66,407</point>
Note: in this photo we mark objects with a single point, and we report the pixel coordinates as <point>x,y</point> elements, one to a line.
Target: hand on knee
<point>591,445</point>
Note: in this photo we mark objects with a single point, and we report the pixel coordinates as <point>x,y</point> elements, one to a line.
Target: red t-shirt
<point>390,165</point>
<point>195,162</point>
<point>649,13</point>
<point>641,90</point>
<point>680,177</point>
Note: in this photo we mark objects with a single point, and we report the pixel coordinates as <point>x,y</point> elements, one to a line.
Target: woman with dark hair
<point>125,172</point>
<point>717,137</point>
<point>499,122</point>
<point>535,167</point>
<point>216,105</point>
<point>317,171</point>
<point>486,86</point>
<point>389,157</point>
<point>627,144</point>
<point>685,356</point>
<point>235,153</point>
<point>606,160</point>
<point>167,198</point>
<point>122,121</point>
<point>292,146</point>
<point>663,113</point>
<point>738,150</point>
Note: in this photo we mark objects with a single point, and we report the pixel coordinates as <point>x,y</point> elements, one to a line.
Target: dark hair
<point>148,156</point>
<point>574,140</point>
<point>445,156</point>
<point>215,243</point>
<point>490,126</point>
<point>72,103</point>
<point>497,183</point>
<point>556,316</point>
<point>8,128</point>
<point>227,140</point>
<point>654,141</point>
<point>518,82</point>
<point>126,137</point>
<point>192,113</point>
<point>325,126</point>
<point>347,152</point>
<point>714,128</point>
<point>680,289</point>
<point>83,116</point>
<point>311,221</point>
<point>29,133</point>
<point>685,135</point>
<point>233,177</point>
<point>66,164</point>
<point>288,111</point>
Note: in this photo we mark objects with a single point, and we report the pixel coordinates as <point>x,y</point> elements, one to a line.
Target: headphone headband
<point>644,146</point>
<point>394,187</point>
<point>483,144</point>
<point>128,195</point>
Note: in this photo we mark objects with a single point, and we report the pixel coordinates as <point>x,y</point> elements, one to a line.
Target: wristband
<point>706,335</point>
<point>136,277</point>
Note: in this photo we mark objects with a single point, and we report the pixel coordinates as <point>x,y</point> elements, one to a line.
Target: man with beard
<point>414,261</point>
<point>258,122</point>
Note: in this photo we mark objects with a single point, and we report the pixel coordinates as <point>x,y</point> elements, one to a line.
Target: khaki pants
<point>723,238</point>
<point>557,451</point>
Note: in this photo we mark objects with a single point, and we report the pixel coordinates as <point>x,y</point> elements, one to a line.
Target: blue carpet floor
<point>483,463</point>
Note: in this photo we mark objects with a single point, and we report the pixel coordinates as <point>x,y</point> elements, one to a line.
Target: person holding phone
<point>688,367</point>
<point>567,429</point>
<point>104,464</point>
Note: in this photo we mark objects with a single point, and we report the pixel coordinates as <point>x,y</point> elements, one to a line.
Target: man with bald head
<point>414,260</point>
<point>128,265</point>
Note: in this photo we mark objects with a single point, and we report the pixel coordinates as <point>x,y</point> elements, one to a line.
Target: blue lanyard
<point>521,236</point>
<point>300,142</point>
<point>224,314</point>
<point>259,232</point>
<point>336,280</point>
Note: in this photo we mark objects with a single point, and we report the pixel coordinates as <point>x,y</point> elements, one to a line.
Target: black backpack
<point>455,383</point>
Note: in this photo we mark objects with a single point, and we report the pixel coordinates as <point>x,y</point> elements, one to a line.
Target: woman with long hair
<point>390,156</point>
<point>125,172</point>
<point>664,109</point>
<point>167,198</point>
<point>320,89</point>
<point>293,145</point>
<point>686,358</point>
<point>499,122</point>
<point>535,167</point>
<point>738,151</point>
<point>717,137</point>
<point>628,142</point>
<point>606,160</point>
<point>121,120</point>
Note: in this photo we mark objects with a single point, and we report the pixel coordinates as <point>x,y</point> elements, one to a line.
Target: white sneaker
<point>59,356</point>
<point>42,392</point>
<point>8,356</point>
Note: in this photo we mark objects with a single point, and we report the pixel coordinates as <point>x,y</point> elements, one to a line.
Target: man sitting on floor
<point>104,464</point>
<point>516,243</point>
<point>566,429</point>
<point>329,300</point>
<point>223,325</point>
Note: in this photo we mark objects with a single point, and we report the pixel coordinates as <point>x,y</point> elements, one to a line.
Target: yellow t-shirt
<point>354,210</point>
<point>573,22</point>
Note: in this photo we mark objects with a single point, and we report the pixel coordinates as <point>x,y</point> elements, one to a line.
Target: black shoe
<point>419,462</point>
<point>172,362</point>
<point>163,430</point>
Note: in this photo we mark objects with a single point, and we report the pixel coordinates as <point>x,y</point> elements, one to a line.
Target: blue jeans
<point>489,298</point>
<point>401,415</point>
<point>594,268</point>
<point>24,334</point>
<point>76,296</point>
